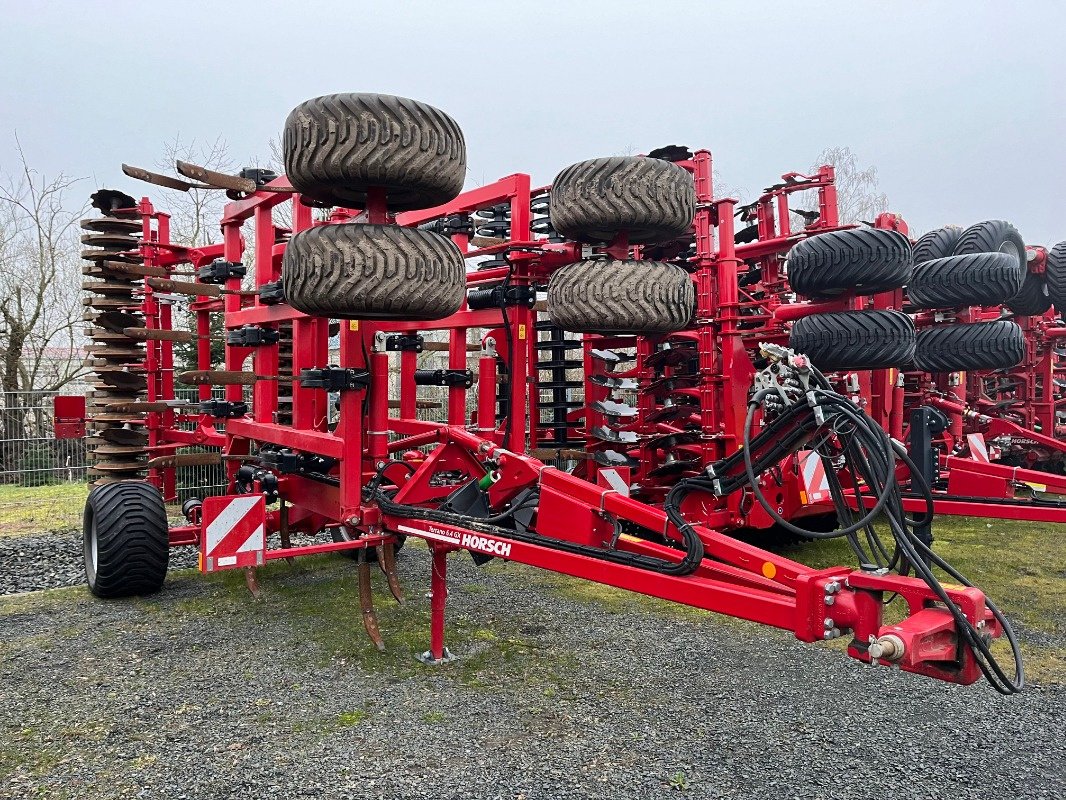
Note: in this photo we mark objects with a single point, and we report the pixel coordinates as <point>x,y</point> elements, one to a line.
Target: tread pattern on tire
<point>978,346</point>
<point>338,145</point>
<point>939,243</point>
<point>864,260</point>
<point>847,340</point>
<point>1055,276</point>
<point>355,271</point>
<point>1032,299</point>
<point>992,236</point>
<point>621,297</point>
<point>133,548</point>
<point>977,279</point>
<point>650,199</point>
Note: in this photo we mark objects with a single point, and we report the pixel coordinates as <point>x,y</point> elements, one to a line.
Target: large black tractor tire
<point>621,297</point>
<point>1032,299</point>
<point>339,145</point>
<point>980,346</point>
<point>854,339</point>
<point>648,199</point>
<point>354,271</point>
<point>1055,276</point>
<point>978,279</point>
<point>939,243</point>
<point>125,539</point>
<point>992,236</point>
<point>863,260</point>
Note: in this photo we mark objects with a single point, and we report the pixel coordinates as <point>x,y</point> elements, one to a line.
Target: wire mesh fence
<point>30,455</point>
<point>43,480</point>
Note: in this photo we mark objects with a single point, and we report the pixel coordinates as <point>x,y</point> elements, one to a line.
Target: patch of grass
<point>347,719</point>
<point>33,509</point>
<point>434,717</point>
<point>321,597</point>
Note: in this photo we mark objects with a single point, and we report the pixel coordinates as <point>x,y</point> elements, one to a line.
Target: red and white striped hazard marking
<point>234,532</point>
<point>978,448</point>
<point>812,473</point>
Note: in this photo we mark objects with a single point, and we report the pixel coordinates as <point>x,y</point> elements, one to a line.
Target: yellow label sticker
<point>769,569</point>
<point>353,325</point>
<point>521,333</point>
<point>1036,487</point>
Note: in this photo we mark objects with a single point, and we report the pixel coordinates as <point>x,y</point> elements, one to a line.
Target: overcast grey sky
<point>961,106</point>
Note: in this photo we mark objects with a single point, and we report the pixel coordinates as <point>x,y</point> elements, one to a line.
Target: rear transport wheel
<point>339,145</point>
<point>978,279</point>
<point>1055,274</point>
<point>125,539</point>
<point>863,260</point>
<point>939,243</point>
<point>854,339</point>
<point>649,199</point>
<point>621,297</point>
<point>355,271</point>
<point>982,346</point>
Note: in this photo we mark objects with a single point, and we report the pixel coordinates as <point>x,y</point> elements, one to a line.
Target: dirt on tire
<point>339,145</point>
<point>649,199</point>
<point>621,297</point>
<point>355,271</point>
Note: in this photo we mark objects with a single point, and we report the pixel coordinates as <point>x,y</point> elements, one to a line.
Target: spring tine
<point>366,602</point>
<point>387,562</point>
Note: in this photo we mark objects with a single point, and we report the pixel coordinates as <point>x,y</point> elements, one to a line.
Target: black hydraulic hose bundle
<point>836,427</point>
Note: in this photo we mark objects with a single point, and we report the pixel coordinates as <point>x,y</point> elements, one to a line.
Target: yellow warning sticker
<point>521,333</point>
<point>1036,487</point>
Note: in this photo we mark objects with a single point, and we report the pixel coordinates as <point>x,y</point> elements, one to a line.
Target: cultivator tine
<point>220,377</point>
<point>145,407</point>
<point>144,334</point>
<point>186,460</point>
<point>366,602</point>
<point>387,562</point>
<point>137,270</point>
<point>161,180</point>
<point>251,578</point>
<point>216,180</point>
<point>185,287</point>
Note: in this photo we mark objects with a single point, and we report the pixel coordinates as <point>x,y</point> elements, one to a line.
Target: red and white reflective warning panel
<point>812,474</point>
<point>234,532</point>
<point>978,449</point>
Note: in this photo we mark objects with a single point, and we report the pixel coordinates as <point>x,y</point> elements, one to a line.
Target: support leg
<point>438,653</point>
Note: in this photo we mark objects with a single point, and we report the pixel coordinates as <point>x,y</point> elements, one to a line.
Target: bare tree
<point>194,215</point>
<point>39,293</point>
<point>858,193</point>
<point>39,280</point>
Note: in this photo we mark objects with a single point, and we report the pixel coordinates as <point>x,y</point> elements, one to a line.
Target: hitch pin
<point>888,647</point>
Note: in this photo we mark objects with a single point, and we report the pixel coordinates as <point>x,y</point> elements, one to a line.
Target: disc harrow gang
<point>116,359</point>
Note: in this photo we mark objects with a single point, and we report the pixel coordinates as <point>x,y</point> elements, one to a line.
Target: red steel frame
<point>735,578</point>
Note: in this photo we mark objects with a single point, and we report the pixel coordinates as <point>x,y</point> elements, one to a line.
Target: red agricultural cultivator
<point>628,390</point>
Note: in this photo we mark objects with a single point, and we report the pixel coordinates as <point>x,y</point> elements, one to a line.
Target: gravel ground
<point>201,693</point>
